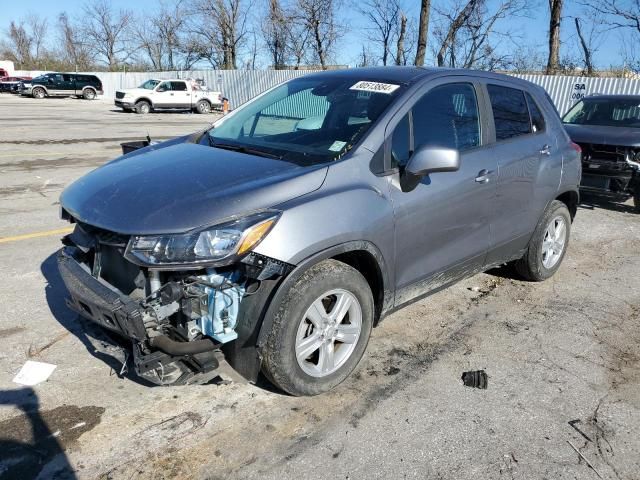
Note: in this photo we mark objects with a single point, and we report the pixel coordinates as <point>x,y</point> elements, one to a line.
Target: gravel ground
<point>562,356</point>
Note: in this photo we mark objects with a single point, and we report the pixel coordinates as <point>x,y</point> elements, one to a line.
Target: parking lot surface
<point>562,356</point>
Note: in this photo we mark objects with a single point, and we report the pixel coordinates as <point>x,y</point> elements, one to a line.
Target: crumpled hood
<point>603,135</point>
<point>178,187</point>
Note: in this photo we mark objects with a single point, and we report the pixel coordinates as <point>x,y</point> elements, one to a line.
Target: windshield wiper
<point>243,149</point>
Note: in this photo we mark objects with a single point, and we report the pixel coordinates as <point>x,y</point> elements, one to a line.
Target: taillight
<point>576,147</point>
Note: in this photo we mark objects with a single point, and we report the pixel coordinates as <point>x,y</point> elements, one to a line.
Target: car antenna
<point>148,137</point>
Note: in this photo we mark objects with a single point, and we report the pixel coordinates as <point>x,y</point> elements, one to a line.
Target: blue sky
<point>533,30</point>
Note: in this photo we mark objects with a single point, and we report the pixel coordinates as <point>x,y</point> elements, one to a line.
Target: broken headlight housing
<point>220,244</point>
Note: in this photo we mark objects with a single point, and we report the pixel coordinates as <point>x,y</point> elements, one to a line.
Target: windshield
<point>306,121</point>
<point>606,112</point>
<point>150,84</point>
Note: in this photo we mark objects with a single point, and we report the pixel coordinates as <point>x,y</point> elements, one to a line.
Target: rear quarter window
<point>510,112</point>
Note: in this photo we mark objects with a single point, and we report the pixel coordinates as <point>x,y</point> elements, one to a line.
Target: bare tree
<point>469,33</point>
<point>275,33</point>
<point>617,14</point>
<point>18,45</point>
<point>527,59</point>
<point>221,27</point>
<point>381,17</point>
<point>586,50</point>
<point>162,36</point>
<point>74,51</point>
<point>423,31</point>
<point>401,53</point>
<point>553,63</point>
<point>318,18</point>
<point>298,41</point>
<point>457,22</point>
<point>38,30</point>
<point>624,17</point>
<point>105,31</point>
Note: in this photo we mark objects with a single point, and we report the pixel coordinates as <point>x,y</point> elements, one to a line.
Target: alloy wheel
<point>328,333</point>
<point>555,239</point>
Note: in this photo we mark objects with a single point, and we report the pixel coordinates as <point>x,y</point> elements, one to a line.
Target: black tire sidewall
<point>279,352</point>
<point>537,270</point>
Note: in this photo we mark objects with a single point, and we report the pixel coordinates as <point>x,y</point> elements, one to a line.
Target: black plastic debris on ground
<point>475,379</point>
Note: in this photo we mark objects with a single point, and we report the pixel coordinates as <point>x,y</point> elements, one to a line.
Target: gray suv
<point>274,241</point>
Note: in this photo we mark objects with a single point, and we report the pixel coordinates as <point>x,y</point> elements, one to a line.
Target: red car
<point>10,84</point>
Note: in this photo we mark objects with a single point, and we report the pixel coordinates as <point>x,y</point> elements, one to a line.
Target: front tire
<point>143,107</point>
<point>320,330</point>
<point>38,93</point>
<point>548,244</point>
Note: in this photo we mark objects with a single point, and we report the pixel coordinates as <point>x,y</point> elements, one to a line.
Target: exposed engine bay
<point>179,321</point>
<point>609,169</point>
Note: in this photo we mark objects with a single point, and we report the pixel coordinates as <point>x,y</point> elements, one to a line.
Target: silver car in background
<point>276,240</point>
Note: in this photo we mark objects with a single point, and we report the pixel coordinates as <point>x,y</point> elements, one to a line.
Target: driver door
<point>164,96</point>
<point>442,225</point>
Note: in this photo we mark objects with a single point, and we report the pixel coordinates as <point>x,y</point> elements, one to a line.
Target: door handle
<point>171,94</point>
<point>483,176</point>
<point>546,150</point>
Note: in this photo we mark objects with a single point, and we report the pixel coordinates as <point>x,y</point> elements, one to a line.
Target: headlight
<point>220,243</point>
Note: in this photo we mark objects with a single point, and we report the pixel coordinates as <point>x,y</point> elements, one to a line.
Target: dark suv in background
<point>63,85</point>
<point>607,128</point>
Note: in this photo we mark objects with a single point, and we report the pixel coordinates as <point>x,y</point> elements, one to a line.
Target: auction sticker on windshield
<point>375,87</point>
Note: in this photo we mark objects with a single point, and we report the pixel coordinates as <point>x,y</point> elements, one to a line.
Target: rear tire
<point>89,94</point>
<point>548,244</point>
<point>203,107</point>
<point>143,107</point>
<point>38,93</point>
<point>320,330</point>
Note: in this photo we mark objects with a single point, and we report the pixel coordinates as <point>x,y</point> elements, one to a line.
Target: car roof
<point>407,75</point>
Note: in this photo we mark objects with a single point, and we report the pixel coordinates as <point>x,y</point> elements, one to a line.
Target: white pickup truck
<point>172,94</point>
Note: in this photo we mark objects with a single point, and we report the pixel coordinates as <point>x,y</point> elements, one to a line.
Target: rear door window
<point>510,113</point>
<point>179,86</point>
<point>537,119</point>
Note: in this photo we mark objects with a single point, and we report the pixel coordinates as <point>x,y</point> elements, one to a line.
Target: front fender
<point>309,262</point>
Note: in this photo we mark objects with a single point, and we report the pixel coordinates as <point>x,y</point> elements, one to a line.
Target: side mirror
<point>429,159</point>
<point>161,89</point>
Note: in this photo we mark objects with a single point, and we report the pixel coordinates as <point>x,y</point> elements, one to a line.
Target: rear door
<point>442,225</point>
<point>181,94</point>
<point>518,148</point>
<point>68,84</point>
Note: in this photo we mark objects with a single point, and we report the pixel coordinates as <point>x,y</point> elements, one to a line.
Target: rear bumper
<point>97,302</point>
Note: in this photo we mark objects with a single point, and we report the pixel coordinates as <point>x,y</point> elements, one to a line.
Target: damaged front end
<point>187,302</point>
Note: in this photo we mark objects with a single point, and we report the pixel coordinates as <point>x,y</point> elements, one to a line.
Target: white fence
<point>242,85</point>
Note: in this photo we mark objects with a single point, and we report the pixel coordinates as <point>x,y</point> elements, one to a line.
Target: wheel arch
<point>143,99</point>
<point>571,198</point>
<point>33,87</point>
<point>362,255</point>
